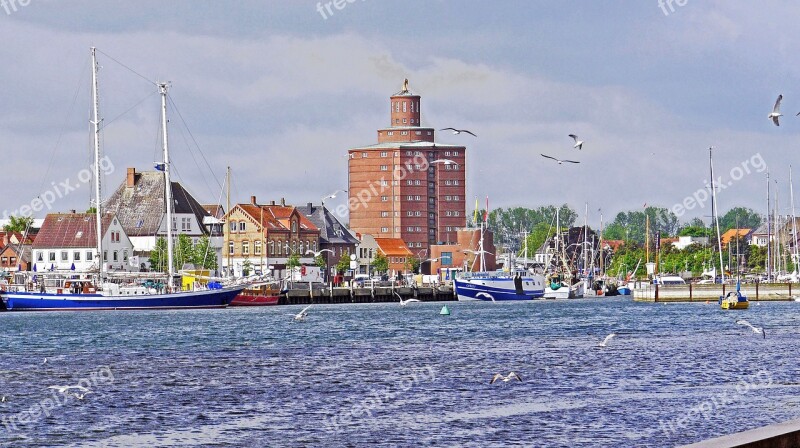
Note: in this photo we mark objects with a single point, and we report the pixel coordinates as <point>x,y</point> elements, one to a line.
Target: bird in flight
<point>756,330</point>
<point>505,379</point>
<point>776,111</point>
<point>405,302</point>
<point>559,160</point>
<point>64,389</point>
<point>578,143</point>
<point>318,253</point>
<point>485,294</point>
<point>301,316</point>
<point>80,396</point>
<point>458,131</point>
<point>607,340</point>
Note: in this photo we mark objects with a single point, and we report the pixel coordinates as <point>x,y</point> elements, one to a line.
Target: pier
<point>300,295</point>
<point>702,293</point>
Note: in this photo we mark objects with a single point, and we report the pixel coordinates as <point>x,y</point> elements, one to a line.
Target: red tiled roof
<point>393,247</point>
<point>277,216</point>
<point>731,234</point>
<point>69,230</point>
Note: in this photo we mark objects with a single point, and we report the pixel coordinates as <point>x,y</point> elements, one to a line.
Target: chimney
<point>73,211</point>
<point>131,178</point>
<point>5,239</point>
<point>283,202</point>
<point>253,200</point>
<point>271,202</point>
<point>310,207</point>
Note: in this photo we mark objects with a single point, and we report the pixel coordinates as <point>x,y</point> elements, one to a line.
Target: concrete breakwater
<point>702,293</point>
<point>305,295</point>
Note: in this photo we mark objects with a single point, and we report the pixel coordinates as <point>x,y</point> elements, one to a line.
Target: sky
<point>280,90</point>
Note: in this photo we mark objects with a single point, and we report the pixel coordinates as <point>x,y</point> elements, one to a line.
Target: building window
<point>186,225</point>
<point>232,227</point>
<point>447,153</point>
<point>447,166</point>
<point>390,133</point>
<point>384,154</point>
<point>405,106</point>
<point>417,182</point>
<point>76,256</point>
<point>39,256</point>
<point>64,256</point>
<point>271,248</point>
<point>418,213</point>
<point>409,213</point>
<point>242,226</point>
<point>384,167</point>
<point>409,182</point>
<point>417,132</point>
<point>230,248</point>
<point>294,226</point>
<point>417,198</point>
<point>280,247</point>
<point>409,153</point>
<point>385,198</point>
<point>384,183</point>
<point>245,248</point>
<point>384,214</point>
<point>410,229</point>
<point>363,155</point>
<point>455,153</point>
<point>384,229</point>
<point>116,256</point>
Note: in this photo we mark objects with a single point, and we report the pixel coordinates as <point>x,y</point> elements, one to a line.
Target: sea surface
<point>385,375</point>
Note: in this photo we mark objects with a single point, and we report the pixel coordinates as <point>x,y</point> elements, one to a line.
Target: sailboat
<point>515,284</point>
<point>559,286</point>
<point>83,295</point>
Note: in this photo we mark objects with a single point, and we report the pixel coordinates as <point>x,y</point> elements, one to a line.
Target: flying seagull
<point>405,302</point>
<point>505,379</point>
<point>301,316</point>
<point>756,330</point>
<point>485,294</point>
<point>558,160</point>
<point>64,389</point>
<point>776,111</point>
<point>45,361</point>
<point>80,396</point>
<point>578,143</point>
<point>458,131</point>
<point>318,253</point>
<point>607,339</point>
<point>2,399</point>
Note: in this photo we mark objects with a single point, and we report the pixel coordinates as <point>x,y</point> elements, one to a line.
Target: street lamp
<point>439,197</point>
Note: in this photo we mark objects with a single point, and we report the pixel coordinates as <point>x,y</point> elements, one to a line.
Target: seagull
<point>301,316</point>
<point>756,330</point>
<point>558,160</point>
<point>578,143</point>
<point>776,111</point>
<point>607,339</point>
<point>80,396</point>
<point>485,294</point>
<point>45,361</point>
<point>318,253</point>
<point>458,131</point>
<point>64,389</point>
<point>405,302</point>
<point>3,399</point>
<point>505,379</point>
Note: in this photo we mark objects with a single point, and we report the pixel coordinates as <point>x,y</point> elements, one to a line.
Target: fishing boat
<point>558,284</point>
<point>259,294</point>
<point>514,284</point>
<point>84,294</point>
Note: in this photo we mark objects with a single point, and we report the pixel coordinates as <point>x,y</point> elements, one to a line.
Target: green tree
<point>292,262</point>
<point>412,264</point>
<point>203,256</point>
<point>319,260</point>
<point>508,224</point>
<point>247,266</point>
<point>747,218</point>
<point>91,210</point>
<point>344,263</point>
<point>695,231</point>
<point>18,224</point>
<point>183,252</point>
<point>540,233</point>
<point>380,264</point>
<point>158,256</point>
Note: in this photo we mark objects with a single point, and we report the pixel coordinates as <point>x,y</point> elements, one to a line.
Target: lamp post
<point>439,198</point>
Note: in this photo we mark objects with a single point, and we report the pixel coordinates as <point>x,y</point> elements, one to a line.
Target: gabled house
<point>396,251</point>
<point>67,242</point>
<point>730,236</point>
<point>140,205</point>
<point>15,257</point>
<point>333,235</point>
<point>263,236</point>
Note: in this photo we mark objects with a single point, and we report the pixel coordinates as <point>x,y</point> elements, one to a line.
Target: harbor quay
<point>703,293</point>
<point>318,295</point>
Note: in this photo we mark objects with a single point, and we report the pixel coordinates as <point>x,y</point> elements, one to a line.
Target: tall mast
<point>96,140</point>
<point>558,237</point>
<point>794,222</point>
<point>162,88</point>
<point>769,233</point>
<point>600,245</point>
<point>585,240</point>
<point>714,212</point>
<point>228,208</point>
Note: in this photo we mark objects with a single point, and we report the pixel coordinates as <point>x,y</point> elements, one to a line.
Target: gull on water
<point>756,330</point>
<point>776,111</point>
<point>80,396</point>
<point>559,160</point>
<point>64,389</point>
<point>505,379</point>
<point>3,399</point>
<point>405,302</point>
<point>45,361</point>
<point>301,316</point>
<point>607,339</point>
<point>578,143</point>
<point>458,131</point>
<point>485,294</point>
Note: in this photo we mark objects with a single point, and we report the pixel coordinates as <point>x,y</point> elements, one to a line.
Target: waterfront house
<point>67,242</point>
<point>744,237</point>
<point>464,252</point>
<point>333,235</point>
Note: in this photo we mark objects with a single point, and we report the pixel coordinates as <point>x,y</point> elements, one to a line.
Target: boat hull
<point>564,292</point>
<point>28,301</point>
<point>255,300</point>
<point>624,291</point>
<point>498,288</point>
<point>734,302</point>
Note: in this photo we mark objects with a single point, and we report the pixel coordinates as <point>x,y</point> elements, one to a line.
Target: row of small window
<point>186,224</point>
<point>452,198</point>
<point>405,105</point>
<point>397,259</point>
<point>241,226</point>
<point>413,244</point>
<point>274,249</point>
<point>397,121</point>
<point>76,256</point>
<point>9,261</point>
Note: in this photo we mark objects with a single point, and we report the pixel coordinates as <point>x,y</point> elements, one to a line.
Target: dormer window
<point>294,226</point>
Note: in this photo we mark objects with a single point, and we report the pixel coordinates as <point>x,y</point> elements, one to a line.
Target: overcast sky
<point>279,93</point>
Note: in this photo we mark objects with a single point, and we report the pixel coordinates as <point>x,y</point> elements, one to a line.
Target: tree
<point>18,224</point>
<point>661,220</point>
<point>695,231</point>
<point>183,252</point>
<point>380,264</point>
<point>158,256</point>
<point>412,264</point>
<point>344,263</point>
<point>91,210</point>
<point>247,265</point>
<point>747,218</point>
<point>319,260</point>
<point>508,224</point>
<point>203,256</point>
<point>540,233</point>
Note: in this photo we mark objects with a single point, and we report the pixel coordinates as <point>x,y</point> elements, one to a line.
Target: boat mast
<point>794,222</point>
<point>558,237</point>
<point>96,140</point>
<point>585,241</point>
<point>769,233</point>
<point>714,212</point>
<point>228,208</point>
<point>600,246</point>
<point>162,88</point>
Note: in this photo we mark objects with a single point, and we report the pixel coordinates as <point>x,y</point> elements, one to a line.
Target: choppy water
<point>382,375</point>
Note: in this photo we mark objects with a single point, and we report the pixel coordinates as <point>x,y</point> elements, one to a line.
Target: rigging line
<point>194,159</point>
<point>175,106</point>
<point>128,68</point>
<point>105,124</point>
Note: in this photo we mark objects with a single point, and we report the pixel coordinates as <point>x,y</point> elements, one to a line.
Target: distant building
<point>463,253</point>
<point>140,205</point>
<point>743,235</point>
<point>760,237</point>
<point>395,189</point>
<point>333,235</point>
<point>686,241</point>
<point>264,235</point>
<point>67,242</point>
<point>394,249</point>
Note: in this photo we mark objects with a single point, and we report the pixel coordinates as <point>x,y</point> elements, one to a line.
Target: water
<point>379,374</point>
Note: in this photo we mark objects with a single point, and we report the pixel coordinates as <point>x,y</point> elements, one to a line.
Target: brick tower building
<point>407,186</point>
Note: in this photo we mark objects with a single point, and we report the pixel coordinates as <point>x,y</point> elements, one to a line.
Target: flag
<point>645,205</point>
<point>475,215</point>
<point>159,166</point>
<point>486,212</point>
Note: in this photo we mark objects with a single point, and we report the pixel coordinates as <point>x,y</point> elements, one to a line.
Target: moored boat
<point>260,294</point>
<point>494,286</point>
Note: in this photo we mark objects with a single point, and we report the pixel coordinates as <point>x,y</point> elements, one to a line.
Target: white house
<point>66,241</point>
